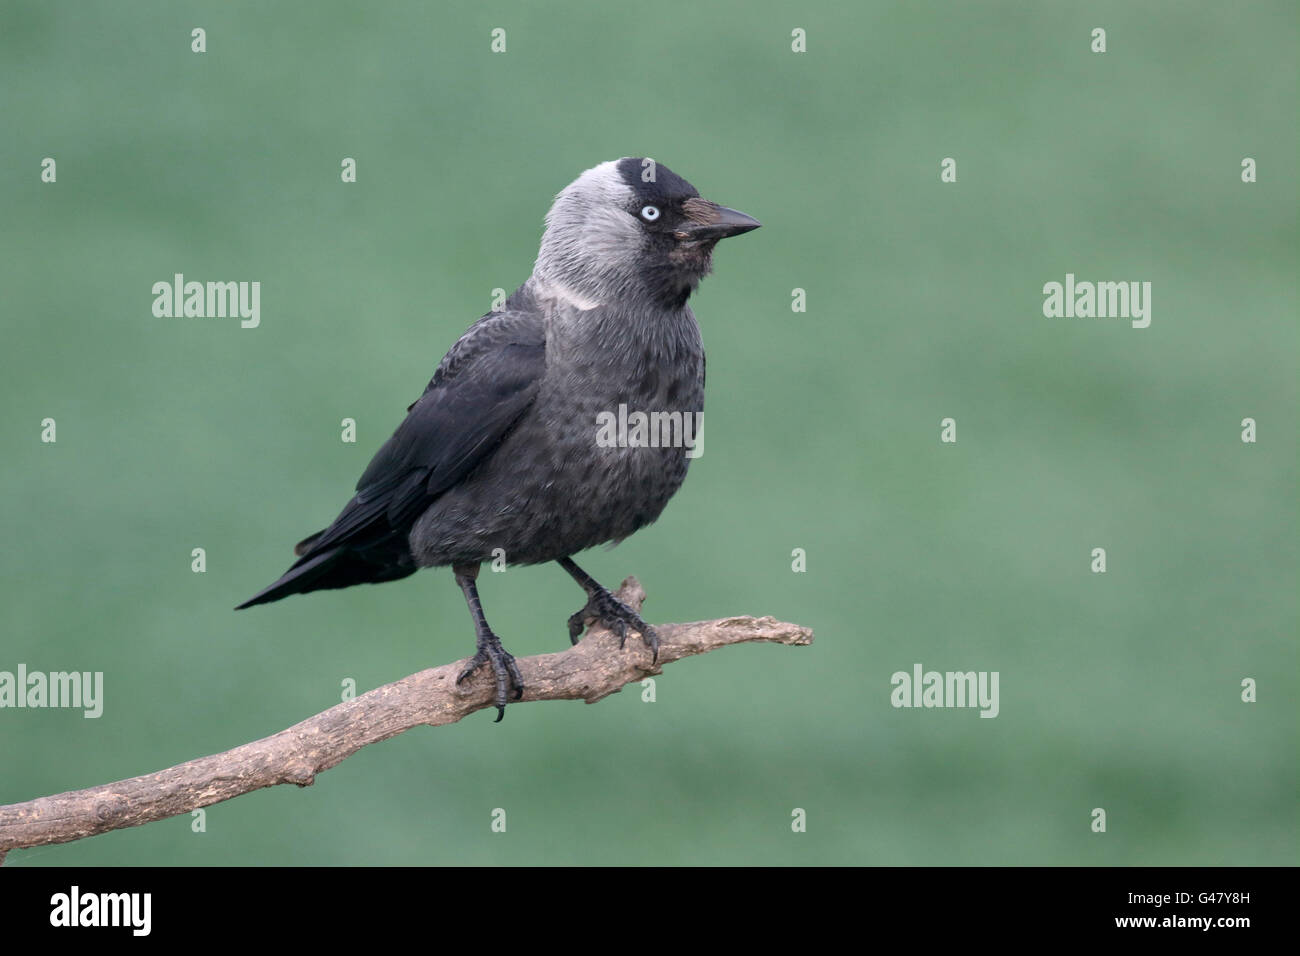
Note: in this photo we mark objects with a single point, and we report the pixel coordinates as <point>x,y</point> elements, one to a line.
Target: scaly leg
<point>489,649</point>
<point>607,609</point>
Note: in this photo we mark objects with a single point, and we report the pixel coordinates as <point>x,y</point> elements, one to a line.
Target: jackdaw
<point>502,452</point>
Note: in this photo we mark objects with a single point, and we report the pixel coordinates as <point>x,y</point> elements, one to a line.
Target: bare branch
<point>590,671</point>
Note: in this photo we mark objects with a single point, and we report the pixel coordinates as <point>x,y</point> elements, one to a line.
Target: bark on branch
<point>590,671</point>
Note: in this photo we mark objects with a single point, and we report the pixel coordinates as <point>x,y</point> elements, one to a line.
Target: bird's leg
<point>607,609</point>
<point>489,646</point>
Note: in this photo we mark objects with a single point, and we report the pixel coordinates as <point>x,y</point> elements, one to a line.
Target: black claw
<point>504,670</point>
<point>616,616</point>
<point>471,667</point>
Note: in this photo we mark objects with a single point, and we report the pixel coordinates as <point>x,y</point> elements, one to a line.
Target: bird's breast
<point>605,444</point>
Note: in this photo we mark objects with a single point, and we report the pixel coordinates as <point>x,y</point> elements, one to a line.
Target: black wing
<point>481,388</point>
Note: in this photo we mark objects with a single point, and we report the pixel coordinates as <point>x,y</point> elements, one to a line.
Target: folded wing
<point>479,392</point>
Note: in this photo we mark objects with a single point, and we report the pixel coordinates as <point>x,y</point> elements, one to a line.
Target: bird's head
<point>632,228</point>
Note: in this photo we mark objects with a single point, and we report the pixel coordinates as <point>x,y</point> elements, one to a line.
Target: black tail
<point>338,567</point>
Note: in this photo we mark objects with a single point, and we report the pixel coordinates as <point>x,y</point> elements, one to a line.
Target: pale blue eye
<point>649,213</point>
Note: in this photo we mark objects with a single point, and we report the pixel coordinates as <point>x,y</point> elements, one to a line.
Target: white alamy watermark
<point>636,429</point>
<point>83,690</point>
<point>130,910</point>
<point>208,300</point>
<point>1100,300</point>
<point>922,688</point>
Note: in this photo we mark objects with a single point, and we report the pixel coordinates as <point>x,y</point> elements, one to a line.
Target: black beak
<point>708,220</point>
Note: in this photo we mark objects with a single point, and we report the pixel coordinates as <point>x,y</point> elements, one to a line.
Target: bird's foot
<point>503,664</point>
<point>615,615</point>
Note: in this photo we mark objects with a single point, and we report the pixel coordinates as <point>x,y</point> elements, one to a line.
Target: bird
<point>501,455</point>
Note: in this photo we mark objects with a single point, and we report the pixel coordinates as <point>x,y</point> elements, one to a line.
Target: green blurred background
<point>1119,691</point>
